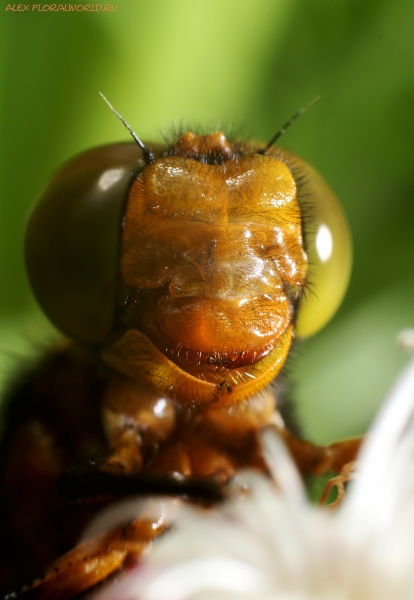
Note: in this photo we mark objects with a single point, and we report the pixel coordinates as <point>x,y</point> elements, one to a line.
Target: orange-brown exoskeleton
<point>181,273</point>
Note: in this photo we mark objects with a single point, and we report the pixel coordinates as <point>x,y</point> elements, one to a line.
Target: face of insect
<point>188,269</point>
<point>199,291</point>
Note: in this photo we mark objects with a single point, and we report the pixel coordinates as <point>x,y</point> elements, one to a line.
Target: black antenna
<point>148,155</point>
<point>288,124</point>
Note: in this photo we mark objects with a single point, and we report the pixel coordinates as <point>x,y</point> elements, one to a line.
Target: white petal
<point>385,464</point>
<point>282,468</point>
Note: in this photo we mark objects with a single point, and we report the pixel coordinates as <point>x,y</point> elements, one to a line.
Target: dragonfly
<point>181,275</point>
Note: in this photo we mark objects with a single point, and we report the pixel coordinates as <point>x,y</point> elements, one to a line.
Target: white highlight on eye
<point>109,178</point>
<point>324,243</point>
<point>160,407</point>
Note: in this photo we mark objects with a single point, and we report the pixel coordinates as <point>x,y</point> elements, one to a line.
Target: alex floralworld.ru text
<point>62,7</point>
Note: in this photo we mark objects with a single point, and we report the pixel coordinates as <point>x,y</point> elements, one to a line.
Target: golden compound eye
<point>328,244</point>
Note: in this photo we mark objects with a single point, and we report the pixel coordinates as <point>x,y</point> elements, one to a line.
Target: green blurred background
<point>251,63</point>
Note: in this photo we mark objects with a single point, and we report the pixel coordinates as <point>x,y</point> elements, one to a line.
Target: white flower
<point>270,543</point>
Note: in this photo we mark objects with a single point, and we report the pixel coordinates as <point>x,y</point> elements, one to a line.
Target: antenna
<point>288,124</point>
<point>148,155</point>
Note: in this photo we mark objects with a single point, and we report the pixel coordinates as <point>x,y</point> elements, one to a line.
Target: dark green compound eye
<point>73,238</point>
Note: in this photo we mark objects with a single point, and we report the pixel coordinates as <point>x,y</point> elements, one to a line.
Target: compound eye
<point>73,238</point>
<point>328,245</point>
